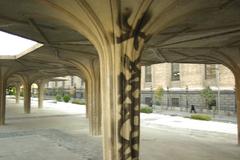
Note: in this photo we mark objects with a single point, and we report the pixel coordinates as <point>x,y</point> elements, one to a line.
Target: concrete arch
<point>92,78</point>
<point>73,20</point>
<point>27,82</point>
<point>228,57</point>
<point>120,30</point>
<point>88,74</point>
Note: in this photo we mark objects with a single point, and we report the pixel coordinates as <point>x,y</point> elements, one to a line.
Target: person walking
<point>193,109</point>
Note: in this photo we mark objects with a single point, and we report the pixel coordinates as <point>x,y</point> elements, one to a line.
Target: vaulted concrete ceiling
<point>183,31</point>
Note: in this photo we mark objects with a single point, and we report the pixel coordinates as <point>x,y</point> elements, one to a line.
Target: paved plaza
<point>60,132</point>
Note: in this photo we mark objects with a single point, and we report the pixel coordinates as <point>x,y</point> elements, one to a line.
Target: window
<point>55,84</point>
<point>82,83</point>
<point>212,104</point>
<point>175,102</point>
<point>210,71</point>
<point>148,101</point>
<point>175,72</point>
<point>148,74</point>
<point>81,95</point>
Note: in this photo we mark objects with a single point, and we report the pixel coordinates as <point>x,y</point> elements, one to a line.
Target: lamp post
<point>167,97</point>
<point>218,88</point>
<point>151,87</point>
<point>151,90</point>
<point>187,98</point>
<point>75,91</point>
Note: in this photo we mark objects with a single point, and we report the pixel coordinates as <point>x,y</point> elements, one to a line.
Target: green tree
<point>11,90</point>
<point>208,95</point>
<point>158,95</point>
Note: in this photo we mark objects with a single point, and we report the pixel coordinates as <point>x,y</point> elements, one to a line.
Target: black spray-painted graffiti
<point>130,100</point>
<point>129,87</point>
<point>129,31</point>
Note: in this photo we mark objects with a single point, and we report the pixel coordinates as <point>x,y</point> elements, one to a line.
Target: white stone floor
<point>60,132</point>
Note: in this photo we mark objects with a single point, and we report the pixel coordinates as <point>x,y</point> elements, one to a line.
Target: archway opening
<point>169,90</point>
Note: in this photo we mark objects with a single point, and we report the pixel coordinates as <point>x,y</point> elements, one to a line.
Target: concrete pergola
<point>105,42</point>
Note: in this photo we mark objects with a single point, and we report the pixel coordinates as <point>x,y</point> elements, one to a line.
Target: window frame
<point>148,74</point>
<point>175,72</point>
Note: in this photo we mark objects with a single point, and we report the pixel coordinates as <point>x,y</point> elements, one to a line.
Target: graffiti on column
<point>129,31</point>
<point>129,88</point>
<point>130,100</point>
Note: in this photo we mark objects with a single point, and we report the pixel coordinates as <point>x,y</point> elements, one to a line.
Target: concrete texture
<point>78,36</point>
<point>179,144</point>
<point>47,136</point>
<point>53,133</point>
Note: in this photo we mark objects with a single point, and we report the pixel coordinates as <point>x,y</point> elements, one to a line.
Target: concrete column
<point>87,97</point>
<point>17,93</point>
<point>120,96</point>
<point>94,110</point>
<point>40,94</point>
<point>237,83</point>
<point>120,46</point>
<point>97,121</point>
<point>27,97</point>
<point>3,84</point>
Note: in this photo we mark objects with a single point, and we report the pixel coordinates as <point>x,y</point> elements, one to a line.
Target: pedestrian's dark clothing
<point>193,109</point>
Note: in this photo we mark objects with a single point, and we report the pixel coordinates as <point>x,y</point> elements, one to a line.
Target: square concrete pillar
<point>40,94</point>
<point>18,85</point>
<point>120,92</point>
<point>27,97</point>
<point>237,83</point>
<point>2,99</point>
<point>94,106</point>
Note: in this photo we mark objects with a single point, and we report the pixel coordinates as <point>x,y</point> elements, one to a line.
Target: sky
<point>13,45</point>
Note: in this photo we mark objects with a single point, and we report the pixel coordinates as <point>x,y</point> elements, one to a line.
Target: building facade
<point>72,85</point>
<point>183,84</point>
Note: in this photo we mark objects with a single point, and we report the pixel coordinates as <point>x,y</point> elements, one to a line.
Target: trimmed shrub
<point>79,101</point>
<point>146,110</point>
<point>58,98</point>
<point>66,98</point>
<point>201,117</point>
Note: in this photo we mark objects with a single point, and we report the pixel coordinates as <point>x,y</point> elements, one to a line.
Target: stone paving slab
<point>48,144</point>
<point>34,147</point>
<point>48,135</point>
